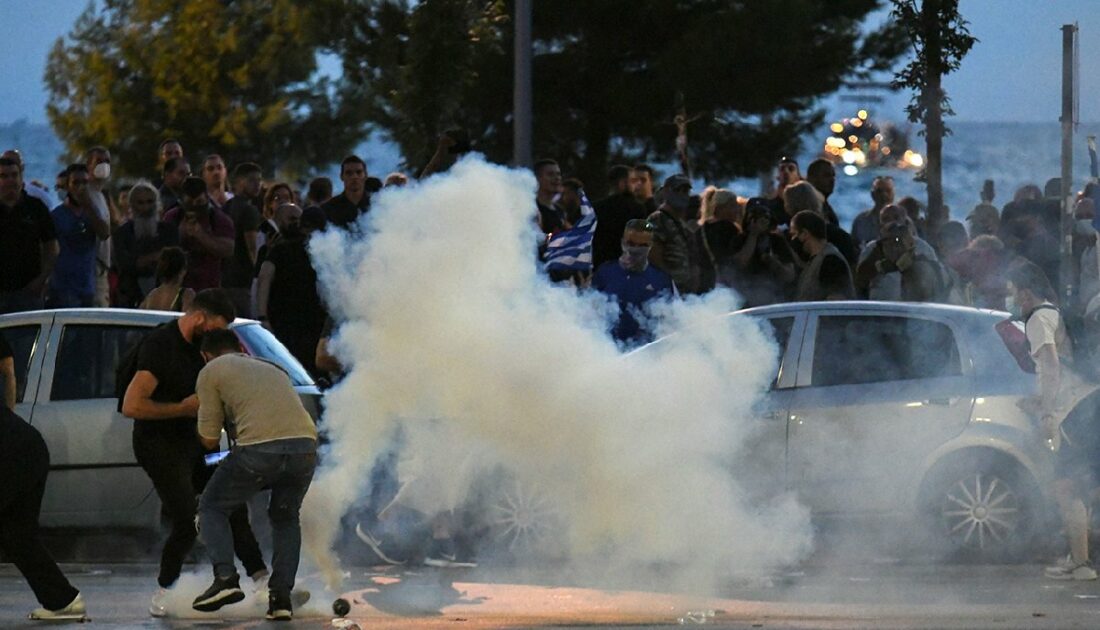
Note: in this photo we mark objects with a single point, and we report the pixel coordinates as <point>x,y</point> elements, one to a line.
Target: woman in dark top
<point>719,235</point>
<point>170,294</point>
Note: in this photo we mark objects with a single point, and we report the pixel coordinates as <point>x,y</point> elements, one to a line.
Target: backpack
<point>127,368</point>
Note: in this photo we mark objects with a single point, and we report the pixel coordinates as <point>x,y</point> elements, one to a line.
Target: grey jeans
<point>284,466</point>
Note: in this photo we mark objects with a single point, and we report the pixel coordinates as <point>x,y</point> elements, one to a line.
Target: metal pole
<point>522,96</point>
<point>1065,271</point>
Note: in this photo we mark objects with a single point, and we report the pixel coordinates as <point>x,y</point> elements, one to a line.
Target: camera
<point>896,231</point>
<point>756,209</point>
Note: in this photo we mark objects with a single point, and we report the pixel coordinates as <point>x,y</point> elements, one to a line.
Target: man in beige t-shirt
<point>274,446</point>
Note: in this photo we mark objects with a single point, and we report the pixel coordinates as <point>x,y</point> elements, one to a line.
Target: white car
<point>65,363</point>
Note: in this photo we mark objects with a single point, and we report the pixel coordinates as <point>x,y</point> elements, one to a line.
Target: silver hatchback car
<point>65,363</point>
<point>906,410</point>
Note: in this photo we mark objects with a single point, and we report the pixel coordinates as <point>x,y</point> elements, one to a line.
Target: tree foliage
<point>940,39</point>
<point>236,78</point>
<point>608,75</point>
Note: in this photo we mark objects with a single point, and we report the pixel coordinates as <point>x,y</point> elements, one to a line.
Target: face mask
<point>102,170</point>
<point>635,256</point>
<point>1011,306</point>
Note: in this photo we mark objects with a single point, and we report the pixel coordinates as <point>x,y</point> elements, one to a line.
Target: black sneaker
<point>279,607</point>
<point>222,592</point>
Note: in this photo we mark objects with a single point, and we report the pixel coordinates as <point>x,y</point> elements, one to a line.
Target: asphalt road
<point>869,591</point>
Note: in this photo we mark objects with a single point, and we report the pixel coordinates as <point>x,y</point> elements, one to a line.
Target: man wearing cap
<point>674,236</point>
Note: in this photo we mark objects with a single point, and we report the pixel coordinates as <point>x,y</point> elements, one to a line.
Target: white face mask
<point>102,170</point>
<point>1011,306</point>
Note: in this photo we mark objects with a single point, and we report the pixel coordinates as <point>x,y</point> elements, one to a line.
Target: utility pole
<point>521,93</point>
<point>1065,270</point>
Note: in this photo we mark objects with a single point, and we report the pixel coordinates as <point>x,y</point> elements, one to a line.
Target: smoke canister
<point>341,607</point>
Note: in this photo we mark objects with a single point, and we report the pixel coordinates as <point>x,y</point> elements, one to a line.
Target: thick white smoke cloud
<point>450,319</point>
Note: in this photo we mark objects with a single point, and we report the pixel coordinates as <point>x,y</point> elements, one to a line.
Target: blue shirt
<point>633,289</point>
<point>75,270</point>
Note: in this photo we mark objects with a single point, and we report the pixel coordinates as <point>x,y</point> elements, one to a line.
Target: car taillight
<point>1015,340</point>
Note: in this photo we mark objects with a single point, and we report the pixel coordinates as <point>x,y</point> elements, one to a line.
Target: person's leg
<point>1075,518</point>
<point>225,495</point>
<point>287,493</point>
<point>244,541</point>
<point>19,534</point>
<point>169,466</point>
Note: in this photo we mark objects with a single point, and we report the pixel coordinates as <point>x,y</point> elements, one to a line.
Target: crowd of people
<point>227,243</point>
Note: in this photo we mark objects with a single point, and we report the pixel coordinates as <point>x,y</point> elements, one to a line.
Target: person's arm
<point>7,374</point>
<point>869,266</point>
<point>138,402</point>
<point>439,158</point>
<point>835,278</point>
<point>263,291</point>
<point>47,259</point>
<point>1048,369</point>
<point>211,410</point>
<point>251,244</point>
<point>219,246</point>
<point>325,360</point>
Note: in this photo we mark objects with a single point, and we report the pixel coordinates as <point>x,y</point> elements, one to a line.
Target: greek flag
<point>571,250</point>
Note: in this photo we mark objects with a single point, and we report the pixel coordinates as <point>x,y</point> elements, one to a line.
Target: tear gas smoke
<point>449,319</point>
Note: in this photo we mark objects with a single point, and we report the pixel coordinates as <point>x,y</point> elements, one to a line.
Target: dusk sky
<point>1012,75</point>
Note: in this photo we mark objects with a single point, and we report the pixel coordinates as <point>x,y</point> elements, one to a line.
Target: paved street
<point>868,591</point>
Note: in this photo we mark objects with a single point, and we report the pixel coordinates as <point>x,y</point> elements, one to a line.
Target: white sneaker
<point>1080,572</point>
<point>259,585</point>
<point>75,610</point>
<point>158,605</point>
<point>1062,565</point>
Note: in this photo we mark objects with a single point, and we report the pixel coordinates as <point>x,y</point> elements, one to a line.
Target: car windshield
<point>261,343</point>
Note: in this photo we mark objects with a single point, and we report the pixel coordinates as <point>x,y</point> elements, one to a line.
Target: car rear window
<point>259,342</point>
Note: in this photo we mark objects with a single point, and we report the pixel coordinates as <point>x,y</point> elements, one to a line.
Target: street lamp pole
<point>521,96</point>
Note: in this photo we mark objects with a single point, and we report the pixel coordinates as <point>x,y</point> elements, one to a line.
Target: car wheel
<point>984,511</point>
<point>521,522</point>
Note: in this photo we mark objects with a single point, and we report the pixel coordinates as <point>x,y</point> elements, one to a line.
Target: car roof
<point>103,315</point>
<point>871,307</point>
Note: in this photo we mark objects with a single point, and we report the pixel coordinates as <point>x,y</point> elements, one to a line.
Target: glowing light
<point>836,128</point>
<point>857,122</point>
<point>835,142</point>
<point>849,157</point>
<point>853,139</point>
<point>862,114</point>
<point>914,404</point>
<point>914,159</point>
<point>886,150</point>
<point>851,170</point>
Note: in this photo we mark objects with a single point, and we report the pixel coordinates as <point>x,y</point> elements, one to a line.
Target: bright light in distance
<point>914,159</point>
<point>836,128</point>
<point>862,114</point>
<point>834,141</point>
<point>850,170</point>
<point>856,122</point>
<point>849,157</point>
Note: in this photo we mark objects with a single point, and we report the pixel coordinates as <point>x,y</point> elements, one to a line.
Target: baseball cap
<point>676,181</point>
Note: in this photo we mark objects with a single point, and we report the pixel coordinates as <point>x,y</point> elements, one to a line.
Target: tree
<point>940,39</point>
<point>235,78</point>
<point>608,74</point>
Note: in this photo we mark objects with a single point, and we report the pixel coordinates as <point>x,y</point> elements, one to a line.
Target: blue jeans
<point>285,466</point>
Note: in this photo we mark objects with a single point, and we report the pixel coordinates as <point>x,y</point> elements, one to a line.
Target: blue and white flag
<point>571,250</point>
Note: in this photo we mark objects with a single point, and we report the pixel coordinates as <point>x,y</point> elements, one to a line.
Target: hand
<point>190,405</point>
<point>1052,431</point>
<point>189,228</point>
<point>759,226</point>
<point>894,248</point>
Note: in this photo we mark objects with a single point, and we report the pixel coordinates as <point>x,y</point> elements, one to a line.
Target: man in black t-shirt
<point>161,399</point>
<point>344,209</point>
<point>243,210</point>
<point>612,214</point>
<point>28,243</point>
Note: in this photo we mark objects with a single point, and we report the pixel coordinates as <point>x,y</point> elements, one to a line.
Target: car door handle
<point>941,402</point>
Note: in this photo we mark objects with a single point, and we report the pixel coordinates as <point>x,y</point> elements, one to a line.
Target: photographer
<point>899,265</point>
<point>765,262</point>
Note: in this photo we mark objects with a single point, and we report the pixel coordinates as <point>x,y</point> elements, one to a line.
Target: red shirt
<point>204,270</point>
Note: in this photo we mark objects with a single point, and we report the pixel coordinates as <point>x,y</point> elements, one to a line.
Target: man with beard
<point>162,401</point>
<point>243,210</point>
<point>79,230</point>
<point>214,174</point>
<point>206,234</point>
<point>137,245</point>
<point>286,296</point>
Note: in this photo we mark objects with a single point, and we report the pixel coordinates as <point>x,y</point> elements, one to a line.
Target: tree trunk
<point>593,165</point>
<point>933,125</point>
